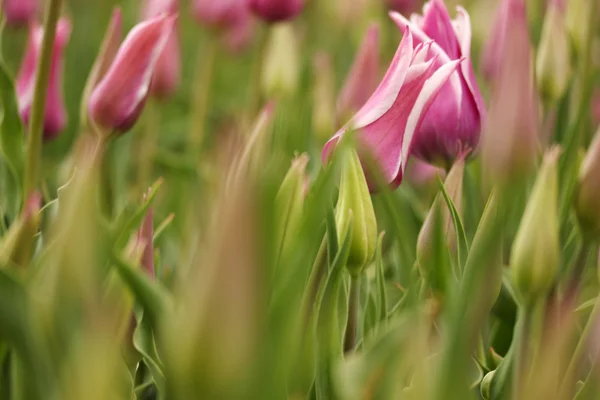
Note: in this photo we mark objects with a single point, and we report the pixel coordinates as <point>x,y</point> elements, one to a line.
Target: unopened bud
<point>19,12</point>
<point>587,197</point>
<point>281,65</point>
<point>354,202</point>
<point>535,252</point>
<point>578,23</point>
<point>289,202</point>
<point>553,67</point>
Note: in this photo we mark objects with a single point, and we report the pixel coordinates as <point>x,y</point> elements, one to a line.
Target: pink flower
<point>454,121</point>
<point>118,100</point>
<point>387,123</point>
<point>218,13</point>
<point>363,76</point>
<point>276,10</point>
<point>55,116</point>
<point>403,6</point>
<point>492,51</point>
<point>238,35</point>
<point>19,12</point>
<point>167,73</point>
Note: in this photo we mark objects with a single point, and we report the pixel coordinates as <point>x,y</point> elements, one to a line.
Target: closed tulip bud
<point>511,140</point>
<point>494,47</point>
<point>535,251</point>
<point>456,116</point>
<point>553,67</point>
<point>167,72</point>
<point>276,10</point>
<point>363,77</point>
<point>323,115</point>
<point>289,203</point>
<point>281,65</point>
<point>217,13</point>
<point>19,12</point>
<point>117,102</point>
<point>587,197</point>
<point>55,114</point>
<point>354,202</point>
<point>238,35</point>
<point>578,23</point>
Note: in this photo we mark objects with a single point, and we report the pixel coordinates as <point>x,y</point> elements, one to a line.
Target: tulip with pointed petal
<point>388,122</point>
<point>55,116</point>
<point>117,102</point>
<point>454,121</point>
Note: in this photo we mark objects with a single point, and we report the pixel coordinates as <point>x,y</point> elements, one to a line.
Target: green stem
<point>36,122</point>
<point>201,92</point>
<point>523,330</point>
<point>256,82</point>
<point>353,307</point>
<point>147,146</point>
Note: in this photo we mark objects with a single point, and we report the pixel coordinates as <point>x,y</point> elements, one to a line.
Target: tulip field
<point>299,199</point>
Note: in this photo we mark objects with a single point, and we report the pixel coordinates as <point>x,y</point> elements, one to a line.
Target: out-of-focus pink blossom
<point>217,13</point>
<point>386,125</point>
<point>19,12</point>
<point>167,73</point>
<point>422,174</point>
<point>238,35</point>
<point>55,115</point>
<point>118,100</point>
<point>512,134</point>
<point>363,76</point>
<point>276,10</point>
<point>454,120</point>
<point>493,49</point>
<point>405,7</point>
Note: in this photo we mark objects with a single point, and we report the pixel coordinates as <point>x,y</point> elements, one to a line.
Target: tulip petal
<point>437,24</point>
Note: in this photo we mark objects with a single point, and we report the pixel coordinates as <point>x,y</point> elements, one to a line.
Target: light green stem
<point>36,122</point>
<point>148,138</point>
<point>353,307</point>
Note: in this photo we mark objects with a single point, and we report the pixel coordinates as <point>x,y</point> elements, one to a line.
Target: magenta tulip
<point>19,12</point>
<point>117,102</point>
<point>455,119</point>
<point>55,115</point>
<point>276,10</point>
<point>167,73</point>
<point>386,125</point>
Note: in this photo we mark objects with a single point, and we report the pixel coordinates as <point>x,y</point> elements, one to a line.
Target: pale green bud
<point>578,23</point>
<point>535,252</point>
<point>289,202</point>
<point>553,63</point>
<point>281,67</point>
<point>354,200</point>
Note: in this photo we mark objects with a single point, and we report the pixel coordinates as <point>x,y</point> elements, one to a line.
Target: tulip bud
<point>439,212</point>
<point>238,35</point>
<point>19,12</point>
<point>323,115</point>
<point>280,70</point>
<point>578,23</point>
<point>106,55</point>
<point>553,68</point>
<point>166,77</point>
<point>117,102</point>
<point>363,78</point>
<point>17,245</point>
<point>511,139</point>
<point>587,197</point>
<point>354,202</point>
<point>289,202</point>
<point>535,252</point>
<point>55,115</point>
<point>276,10</point>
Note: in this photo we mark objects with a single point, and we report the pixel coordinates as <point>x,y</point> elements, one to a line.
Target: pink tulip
<point>117,102</point>
<point>454,121</point>
<point>363,76</point>
<point>387,123</point>
<point>218,13</point>
<point>55,115</point>
<point>19,12</point>
<point>238,35</point>
<point>422,174</point>
<point>276,10</point>
<point>492,51</point>
<point>403,6</point>
<point>167,73</point>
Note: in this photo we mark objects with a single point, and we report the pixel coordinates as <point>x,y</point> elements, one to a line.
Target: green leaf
<point>462,244</point>
<point>332,235</point>
<point>143,342</point>
<point>380,275</point>
<point>11,144</point>
<point>154,298</point>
